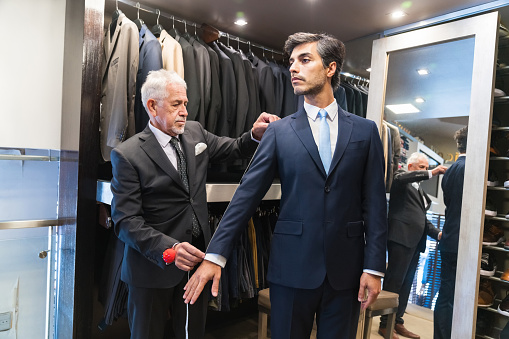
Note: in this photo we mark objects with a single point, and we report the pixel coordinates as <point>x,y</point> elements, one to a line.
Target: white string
<point>187,314</point>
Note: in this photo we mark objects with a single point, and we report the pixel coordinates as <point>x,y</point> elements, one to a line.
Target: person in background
<point>159,202</point>
<point>408,230</point>
<point>452,187</point>
<point>327,253</point>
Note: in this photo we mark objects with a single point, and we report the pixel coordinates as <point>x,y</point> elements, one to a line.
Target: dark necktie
<point>182,169</point>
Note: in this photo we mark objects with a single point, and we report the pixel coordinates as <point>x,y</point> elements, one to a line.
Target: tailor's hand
<point>260,125</point>
<point>187,256</point>
<point>372,283</point>
<point>205,272</point>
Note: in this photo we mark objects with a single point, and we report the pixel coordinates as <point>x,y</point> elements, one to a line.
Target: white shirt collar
<point>462,155</point>
<point>162,138</point>
<point>312,111</point>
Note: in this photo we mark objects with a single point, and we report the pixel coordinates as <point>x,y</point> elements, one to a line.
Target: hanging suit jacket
<point>151,207</point>
<point>288,94</point>
<point>266,83</point>
<point>190,75</point>
<point>202,60</point>
<point>119,69</point>
<point>171,54</point>
<point>331,225</point>
<point>214,108</point>
<point>228,92</point>
<point>150,60</point>
<point>407,213</point>
<point>243,103</point>
<point>278,86</point>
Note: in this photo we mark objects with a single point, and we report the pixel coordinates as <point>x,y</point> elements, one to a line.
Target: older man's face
<point>171,114</point>
<point>421,165</point>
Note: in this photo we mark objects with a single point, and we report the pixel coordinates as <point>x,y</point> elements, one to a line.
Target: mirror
<point>457,91</point>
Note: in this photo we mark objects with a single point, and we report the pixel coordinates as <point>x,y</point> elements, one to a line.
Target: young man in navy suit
<point>328,248</point>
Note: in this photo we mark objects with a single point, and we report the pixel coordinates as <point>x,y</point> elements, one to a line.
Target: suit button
<point>327,189</point>
<point>188,231</point>
<point>191,200</point>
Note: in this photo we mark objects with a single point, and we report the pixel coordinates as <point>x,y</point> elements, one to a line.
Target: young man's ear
<point>331,69</point>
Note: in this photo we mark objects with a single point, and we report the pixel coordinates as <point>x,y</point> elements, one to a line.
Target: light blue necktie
<point>324,145</point>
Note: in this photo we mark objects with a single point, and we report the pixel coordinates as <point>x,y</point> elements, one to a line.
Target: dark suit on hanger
<point>190,75</point>
<point>226,116</point>
<point>323,218</point>
<point>202,59</point>
<point>289,105</point>
<point>214,107</point>
<point>150,60</point>
<point>152,209</point>
<point>278,86</point>
<point>452,186</point>
<point>408,229</point>
<point>266,83</point>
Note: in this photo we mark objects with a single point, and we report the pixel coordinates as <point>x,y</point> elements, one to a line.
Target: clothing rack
<point>157,12</point>
<point>355,77</point>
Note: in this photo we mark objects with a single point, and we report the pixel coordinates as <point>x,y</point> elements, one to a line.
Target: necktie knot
<point>322,113</point>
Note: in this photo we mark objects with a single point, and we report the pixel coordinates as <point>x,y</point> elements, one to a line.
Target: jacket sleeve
<point>403,177</point>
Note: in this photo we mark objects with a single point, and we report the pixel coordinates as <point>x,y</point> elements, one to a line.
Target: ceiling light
<point>397,14</point>
<point>423,71</point>
<point>419,100</point>
<point>368,69</point>
<point>402,109</point>
<point>241,22</point>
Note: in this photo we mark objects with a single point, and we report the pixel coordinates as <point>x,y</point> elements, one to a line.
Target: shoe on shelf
<point>383,331</point>
<point>490,209</point>
<point>493,235</point>
<point>492,178</point>
<point>498,93</point>
<point>506,184</point>
<point>505,275</point>
<point>488,265</point>
<point>503,307</point>
<point>401,330</point>
<point>506,245</point>
<point>494,152</point>
<point>486,294</point>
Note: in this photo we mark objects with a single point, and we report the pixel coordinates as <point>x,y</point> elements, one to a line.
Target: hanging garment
<point>202,60</point>
<point>266,85</point>
<point>289,106</point>
<point>228,93</point>
<point>214,108</point>
<point>171,54</point>
<point>120,65</point>
<point>150,59</point>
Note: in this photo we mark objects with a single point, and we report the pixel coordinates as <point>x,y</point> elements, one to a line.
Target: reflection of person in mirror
<point>452,187</point>
<point>408,229</point>
<point>328,246</point>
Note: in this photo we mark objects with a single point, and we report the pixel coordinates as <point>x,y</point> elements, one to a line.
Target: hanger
<point>209,33</point>
<point>157,28</point>
<point>139,22</point>
<point>250,55</point>
<point>173,31</point>
<point>114,18</point>
<point>186,35</point>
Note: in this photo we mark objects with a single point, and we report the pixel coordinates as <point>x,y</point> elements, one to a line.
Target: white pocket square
<point>200,147</point>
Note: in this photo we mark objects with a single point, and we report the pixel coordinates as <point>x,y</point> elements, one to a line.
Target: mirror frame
<point>484,29</point>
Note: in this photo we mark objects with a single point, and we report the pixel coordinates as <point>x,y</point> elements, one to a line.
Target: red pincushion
<point>169,255</point>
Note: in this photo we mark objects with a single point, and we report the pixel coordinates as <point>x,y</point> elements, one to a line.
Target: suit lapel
<point>301,127</point>
<point>155,152</point>
<point>345,126</point>
<point>188,144</point>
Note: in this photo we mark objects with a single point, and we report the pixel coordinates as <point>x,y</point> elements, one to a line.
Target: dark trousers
<point>149,308</point>
<point>401,267</point>
<point>293,311</point>
<point>442,317</point>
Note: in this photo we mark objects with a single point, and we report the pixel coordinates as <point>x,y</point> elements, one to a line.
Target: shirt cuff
<point>216,259</point>
<point>380,274</point>
<point>430,174</point>
<point>251,132</point>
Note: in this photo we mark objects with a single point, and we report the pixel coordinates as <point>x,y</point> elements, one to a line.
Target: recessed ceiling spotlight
<point>241,22</point>
<point>423,71</point>
<point>368,69</point>
<point>402,108</point>
<point>419,100</point>
<point>397,14</point>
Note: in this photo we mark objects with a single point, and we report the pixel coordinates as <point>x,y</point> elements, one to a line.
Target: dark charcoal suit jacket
<point>151,208</point>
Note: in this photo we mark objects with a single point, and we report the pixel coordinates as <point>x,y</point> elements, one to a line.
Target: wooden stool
<point>264,312</point>
<point>387,303</point>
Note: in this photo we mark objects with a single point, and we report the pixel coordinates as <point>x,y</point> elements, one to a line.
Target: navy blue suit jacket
<point>332,225</point>
<point>452,186</point>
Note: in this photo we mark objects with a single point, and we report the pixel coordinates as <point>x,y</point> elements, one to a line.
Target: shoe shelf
<point>492,308</point>
<point>496,278</point>
<point>496,248</point>
<point>497,188</point>
<point>501,100</point>
<point>499,158</point>
<point>497,218</point>
<point>500,128</point>
<point>483,336</point>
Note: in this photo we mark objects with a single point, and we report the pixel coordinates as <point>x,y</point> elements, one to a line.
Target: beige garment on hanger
<point>171,53</point>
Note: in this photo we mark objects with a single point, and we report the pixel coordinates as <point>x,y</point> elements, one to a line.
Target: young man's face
<point>170,115</point>
<point>306,67</point>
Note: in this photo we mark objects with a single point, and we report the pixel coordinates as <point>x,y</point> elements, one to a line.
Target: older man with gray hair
<point>408,229</point>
